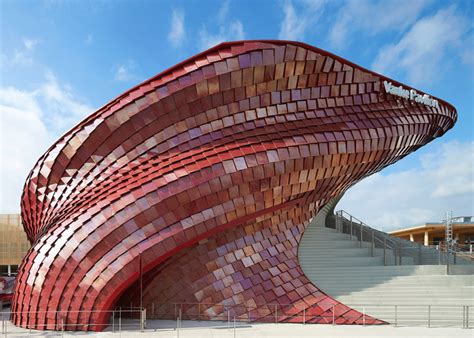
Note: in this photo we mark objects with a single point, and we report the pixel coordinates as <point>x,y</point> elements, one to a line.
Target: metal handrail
<point>349,224</point>
<point>277,312</point>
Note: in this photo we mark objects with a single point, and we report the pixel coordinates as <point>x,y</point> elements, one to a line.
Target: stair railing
<point>349,224</point>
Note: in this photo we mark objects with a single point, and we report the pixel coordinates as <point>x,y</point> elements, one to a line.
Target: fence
<point>233,317</point>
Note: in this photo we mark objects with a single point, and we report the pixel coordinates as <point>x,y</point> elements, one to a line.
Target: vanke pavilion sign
<point>411,94</point>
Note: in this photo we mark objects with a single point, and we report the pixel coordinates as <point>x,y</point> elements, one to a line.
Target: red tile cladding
<point>210,171</point>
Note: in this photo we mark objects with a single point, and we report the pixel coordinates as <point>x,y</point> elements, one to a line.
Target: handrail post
<point>113,321</point>
<point>400,254</point>
<point>276,313</point>
<point>465,316</point>
<point>141,319</point>
<point>429,315</point>
<point>304,316</point>
<point>350,230</point>
<point>447,260</point>
<point>363,315</point>
<point>373,243</point>
<point>333,315</point>
<point>120,319</point>
<point>395,253</point>
<point>361,234</point>
<point>384,250</point>
<point>396,315</point>
<point>178,322</point>
<point>419,255</point>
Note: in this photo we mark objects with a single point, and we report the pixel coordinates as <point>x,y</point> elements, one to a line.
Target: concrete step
<point>337,244</point>
<point>399,270</point>
<point>315,262</point>
<point>337,265</point>
<point>347,300</point>
<point>345,252</point>
<point>410,292</point>
<point>389,283</point>
<point>320,237</point>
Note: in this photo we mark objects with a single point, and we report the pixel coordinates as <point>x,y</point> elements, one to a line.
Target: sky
<point>62,60</point>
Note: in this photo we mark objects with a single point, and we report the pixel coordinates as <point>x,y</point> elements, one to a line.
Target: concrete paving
<point>205,329</point>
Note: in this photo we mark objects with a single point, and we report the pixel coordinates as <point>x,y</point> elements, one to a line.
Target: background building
<point>13,247</point>
<point>13,243</point>
<point>434,233</point>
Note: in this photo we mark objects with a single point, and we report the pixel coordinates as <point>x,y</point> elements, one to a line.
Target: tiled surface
<point>250,272</point>
<point>239,145</point>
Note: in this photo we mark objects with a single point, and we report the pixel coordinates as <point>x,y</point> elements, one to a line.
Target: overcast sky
<point>61,60</point>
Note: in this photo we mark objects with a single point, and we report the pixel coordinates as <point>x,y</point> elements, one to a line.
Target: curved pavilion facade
<point>202,180</point>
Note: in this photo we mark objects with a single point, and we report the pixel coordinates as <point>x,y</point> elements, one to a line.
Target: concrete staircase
<point>406,294</point>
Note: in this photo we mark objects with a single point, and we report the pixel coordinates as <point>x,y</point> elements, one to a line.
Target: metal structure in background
<point>449,237</point>
<point>449,232</point>
<point>348,224</point>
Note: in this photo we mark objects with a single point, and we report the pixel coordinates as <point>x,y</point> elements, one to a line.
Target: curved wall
<point>210,172</point>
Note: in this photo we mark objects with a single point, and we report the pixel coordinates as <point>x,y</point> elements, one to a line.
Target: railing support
<point>144,319</point>
<point>373,243</point>
<point>447,261</point>
<point>276,313</point>
<point>396,315</point>
<point>178,323</point>
<point>400,254</point>
<point>350,229</point>
<point>333,315</point>
<point>120,320</point>
<point>465,317</point>
<point>304,316</point>
<point>384,250</point>
<point>429,315</point>
<point>419,255</point>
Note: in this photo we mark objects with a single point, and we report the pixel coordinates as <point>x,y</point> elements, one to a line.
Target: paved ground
<point>204,329</point>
